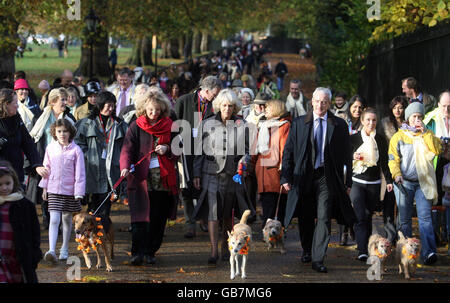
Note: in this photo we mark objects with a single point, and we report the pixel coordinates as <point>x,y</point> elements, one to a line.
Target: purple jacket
<point>67,173</point>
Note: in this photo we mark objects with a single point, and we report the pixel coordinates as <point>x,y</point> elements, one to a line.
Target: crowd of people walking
<point>218,141</point>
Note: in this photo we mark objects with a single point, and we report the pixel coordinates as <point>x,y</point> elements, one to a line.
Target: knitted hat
<point>248,91</point>
<point>415,107</point>
<point>21,83</point>
<point>44,85</point>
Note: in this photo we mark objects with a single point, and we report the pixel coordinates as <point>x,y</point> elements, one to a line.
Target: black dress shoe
<point>149,259</point>
<point>319,267</point>
<point>306,258</point>
<point>213,260</point>
<point>136,260</point>
<point>189,235</point>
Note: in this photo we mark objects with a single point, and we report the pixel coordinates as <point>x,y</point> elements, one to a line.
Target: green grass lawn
<point>43,62</point>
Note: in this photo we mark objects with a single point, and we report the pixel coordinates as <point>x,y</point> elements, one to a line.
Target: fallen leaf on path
<point>181,271</point>
<point>287,276</point>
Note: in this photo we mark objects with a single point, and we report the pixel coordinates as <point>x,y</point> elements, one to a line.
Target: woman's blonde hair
<point>227,95</point>
<point>152,96</point>
<point>278,108</point>
<point>55,94</point>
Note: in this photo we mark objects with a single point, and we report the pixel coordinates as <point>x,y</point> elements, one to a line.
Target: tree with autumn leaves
<point>338,30</point>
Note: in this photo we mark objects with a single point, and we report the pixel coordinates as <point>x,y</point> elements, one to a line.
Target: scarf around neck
<point>295,105</point>
<point>369,150</point>
<point>11,197</point>
<point>162,130</point>
<point>264,134</point>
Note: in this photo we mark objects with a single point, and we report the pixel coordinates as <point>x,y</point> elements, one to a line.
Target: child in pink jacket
<point>64,186</point>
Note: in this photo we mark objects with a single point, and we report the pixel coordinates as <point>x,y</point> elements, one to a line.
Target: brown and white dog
<point>90,234</point>
<point>408,251</point>
<point>380,247</point>
<point>273,233</point>
<point>238,244</point>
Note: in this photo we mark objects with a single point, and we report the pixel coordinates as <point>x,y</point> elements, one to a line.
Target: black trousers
<point>94,201</point>
<point>160,202</point>
<point>269,206</point>
<point>147,237</point>
<point>364,198</point>
<point>389,225</point>
<point>315,237</point>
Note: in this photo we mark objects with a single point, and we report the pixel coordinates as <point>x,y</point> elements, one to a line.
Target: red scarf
<point>162,130</point>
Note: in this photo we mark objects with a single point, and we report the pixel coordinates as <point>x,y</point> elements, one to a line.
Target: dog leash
<point>278,203</point>
<point>132,168</point>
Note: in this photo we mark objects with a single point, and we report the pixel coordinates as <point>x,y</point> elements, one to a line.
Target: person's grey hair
<point>210,83</point>
<point>227,95</point>
<point>297,81</point>
<point>323,90</point>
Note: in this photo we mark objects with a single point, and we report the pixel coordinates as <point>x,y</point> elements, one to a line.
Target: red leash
<point>132,167</point>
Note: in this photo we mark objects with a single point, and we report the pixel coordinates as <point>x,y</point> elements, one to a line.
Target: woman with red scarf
<point>153,184</point>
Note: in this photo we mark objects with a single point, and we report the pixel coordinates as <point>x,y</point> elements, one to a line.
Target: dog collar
<point>410,256</point>
<point>244,249</point>
<point>380,255</point>
<point>277,238</point>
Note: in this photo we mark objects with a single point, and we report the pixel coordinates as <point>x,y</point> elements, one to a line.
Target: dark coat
<point>27,237</point>
<point>297,165</point>
<point>19,143</point>
<point>136,145</point>
<point>185,108</point>
<point>101,173</point>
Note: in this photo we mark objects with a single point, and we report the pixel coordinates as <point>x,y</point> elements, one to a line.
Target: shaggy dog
<point>379,247</point>
<point>408,250</point>
<point>273,233</point>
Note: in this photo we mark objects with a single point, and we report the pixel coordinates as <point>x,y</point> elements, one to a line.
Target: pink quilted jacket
<point>67,173</point>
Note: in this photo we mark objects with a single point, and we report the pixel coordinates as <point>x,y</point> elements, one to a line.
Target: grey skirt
<point>219,195</point>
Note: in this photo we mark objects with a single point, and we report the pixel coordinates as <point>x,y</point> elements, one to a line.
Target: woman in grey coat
<point>100,136</point>
<point>225,146</point>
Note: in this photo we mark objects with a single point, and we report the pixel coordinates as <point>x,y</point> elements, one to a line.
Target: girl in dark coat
<point>20,236</point>
<point>153,184</point>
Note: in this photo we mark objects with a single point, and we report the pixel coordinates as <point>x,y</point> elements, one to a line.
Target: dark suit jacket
<point>297,167</point>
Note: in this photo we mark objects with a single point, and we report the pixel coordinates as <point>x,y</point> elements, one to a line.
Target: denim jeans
<point>423,206</point>
<point>280,83</point>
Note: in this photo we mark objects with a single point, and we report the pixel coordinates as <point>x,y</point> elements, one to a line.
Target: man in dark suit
<point>193,108</point>
<point>316,151</point>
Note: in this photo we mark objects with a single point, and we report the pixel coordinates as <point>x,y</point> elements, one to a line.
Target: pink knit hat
<point>21,83</point>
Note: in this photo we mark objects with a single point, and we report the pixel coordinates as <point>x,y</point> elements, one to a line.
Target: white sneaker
<point>50,256</point>
<point>63,254</point>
